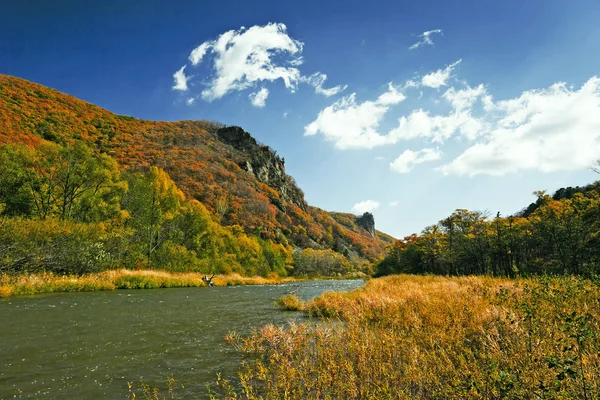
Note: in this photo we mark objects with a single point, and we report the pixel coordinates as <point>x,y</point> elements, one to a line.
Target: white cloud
<point>365,206</point>
<point>190,101</point>
<point>379,158</point>
<point>464,99</point>
<point>317,80</point>
<point>440,77</point>
<point>244,57</point>
<point>554,129</point>
<point>199,52</point>
<point>437,128</point>
<point>393,204</point>
<point>426,38</point>
<point>354,125</point>
<point>259,98</point>
<point>285,114</point>
<point>406,161</point>
<point>180,80</point>
<point>551,129</point>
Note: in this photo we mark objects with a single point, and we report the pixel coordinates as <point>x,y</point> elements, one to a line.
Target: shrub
<point>290,302</point>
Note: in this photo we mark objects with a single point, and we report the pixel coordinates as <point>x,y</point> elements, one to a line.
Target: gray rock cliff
<point>367,222</point>
<point>262,162</point>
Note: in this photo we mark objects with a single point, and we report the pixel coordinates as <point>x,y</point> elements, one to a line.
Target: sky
<point>406,109</point>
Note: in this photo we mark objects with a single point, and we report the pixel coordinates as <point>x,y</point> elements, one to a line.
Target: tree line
<point>67,209</point>
<point>556,235</point>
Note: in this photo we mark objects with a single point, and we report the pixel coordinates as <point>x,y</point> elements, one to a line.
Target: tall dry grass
<point>417,337</point>
<point>22,285</point>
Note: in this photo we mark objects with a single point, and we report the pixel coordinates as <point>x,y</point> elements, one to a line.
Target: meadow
<point>431,337</point>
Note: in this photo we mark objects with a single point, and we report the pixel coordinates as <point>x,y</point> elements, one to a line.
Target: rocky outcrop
<point>367,222</point>
<point>262,162</point>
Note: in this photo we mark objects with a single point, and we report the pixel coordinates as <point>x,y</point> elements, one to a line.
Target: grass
<point>23,285</point>
<point>434,338</point>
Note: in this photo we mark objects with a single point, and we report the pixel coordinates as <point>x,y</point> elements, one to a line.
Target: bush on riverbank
<point>435,337</point>
<point>290,302</point>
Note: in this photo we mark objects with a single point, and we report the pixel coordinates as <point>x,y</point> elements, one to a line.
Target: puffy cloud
<point>464,99</point>
<point>350,124</point>
<point>365,206</point>
<point>406,161</point>
<point>551,129</point>
<point>259,98</point>
<point>440,77</point>
<point>180,80</point>
<point>426,38</point>
<point>244,57</point>
<point>554,129</point>
<point>317,80</point>
<point>437,128</point>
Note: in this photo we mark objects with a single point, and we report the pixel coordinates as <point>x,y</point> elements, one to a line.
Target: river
<point>90,345</point>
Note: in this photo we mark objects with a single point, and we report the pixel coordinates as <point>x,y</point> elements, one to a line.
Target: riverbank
<point>30,284</point>
<point>433,337</point>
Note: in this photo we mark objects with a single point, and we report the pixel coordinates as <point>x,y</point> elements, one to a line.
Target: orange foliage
<point>203,167</point>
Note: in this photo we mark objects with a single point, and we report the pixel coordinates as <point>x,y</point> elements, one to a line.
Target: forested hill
<point>560,194</point>
<point>240,181</point>
<point>558,234</point>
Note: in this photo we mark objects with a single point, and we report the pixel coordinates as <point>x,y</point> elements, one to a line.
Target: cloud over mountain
<point>241,59</point>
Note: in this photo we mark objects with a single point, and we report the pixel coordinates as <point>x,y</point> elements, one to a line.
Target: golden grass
<point>434,337</point>
<point>290,302</point>
<point>22,285</point>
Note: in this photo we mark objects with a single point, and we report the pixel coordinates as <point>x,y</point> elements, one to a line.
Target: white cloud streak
<point>365,206</point>
<point>181,80</point>
<point>258,99</point>
<point>440,77</point>
<point>426,39</point>
<point>349,124</point>
<point>317,80</point>
<point>408,159</point>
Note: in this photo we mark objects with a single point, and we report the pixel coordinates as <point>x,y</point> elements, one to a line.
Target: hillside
<point>240,181</point>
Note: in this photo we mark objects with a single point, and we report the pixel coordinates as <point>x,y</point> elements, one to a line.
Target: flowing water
<point>89,345</point>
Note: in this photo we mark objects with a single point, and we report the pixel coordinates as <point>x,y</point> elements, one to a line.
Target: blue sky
<point>475,117</point>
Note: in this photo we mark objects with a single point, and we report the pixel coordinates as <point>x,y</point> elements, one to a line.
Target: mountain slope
<point>239,180</point>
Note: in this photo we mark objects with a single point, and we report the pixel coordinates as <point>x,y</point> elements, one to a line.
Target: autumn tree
<point>67,182</point>
<point>16,197</point>
<point>153,201</point>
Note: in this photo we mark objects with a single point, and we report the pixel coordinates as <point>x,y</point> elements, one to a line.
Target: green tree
<point>15,181</point>
<point>67,182</point>
<point>153,202</point>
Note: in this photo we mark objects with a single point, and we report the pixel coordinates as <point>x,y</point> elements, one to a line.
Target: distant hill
<point>240,180</point>
<point>560,194</point>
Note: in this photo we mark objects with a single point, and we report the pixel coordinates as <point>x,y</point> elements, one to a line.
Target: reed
<point>290,302</point>
<point>433,337</point>
<point>30,284</point>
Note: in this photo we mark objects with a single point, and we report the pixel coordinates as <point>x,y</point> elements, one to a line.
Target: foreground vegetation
<point>23,285</point>
<point>433,337</point>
